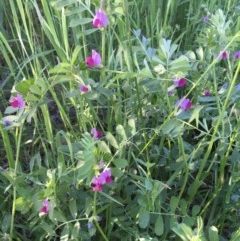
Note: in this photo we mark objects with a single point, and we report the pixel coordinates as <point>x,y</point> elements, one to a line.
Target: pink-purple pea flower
<point>236,55</point>
<point>223,55</point>
<point>207,92</point>
<point>97,134</point>
<point>179,82</point>
<point>100,19</point>
<point>46,206</point>
<point>84,89</point>
<point>94,60</point>
<point>184,103</point>
<point>103,178</point>
<point>17,102</point>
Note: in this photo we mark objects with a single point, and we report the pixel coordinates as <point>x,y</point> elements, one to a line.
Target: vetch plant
<point>97,134</point>
<point>179,82</point>
<point>100,19</point>
<point>84,88</point>
<point>236,55</point>
<point>184,103</point>
<point>17,102</point>
<point>104,177</point>
<point>46,207</point>
<point>95,60</point>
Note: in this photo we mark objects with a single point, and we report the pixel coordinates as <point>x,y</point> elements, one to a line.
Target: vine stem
<point>95,215</point>
<point>18,138</point>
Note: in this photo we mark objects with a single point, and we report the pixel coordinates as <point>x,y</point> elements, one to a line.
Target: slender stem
<point>95,214</point>
<point>103,70</point>
<point>18,138</point>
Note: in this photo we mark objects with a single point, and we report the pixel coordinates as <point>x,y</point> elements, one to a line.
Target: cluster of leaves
<point>175,170</point>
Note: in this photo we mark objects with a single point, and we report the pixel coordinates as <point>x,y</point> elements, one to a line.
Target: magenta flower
<point>17,102</point>
<point>100,19</point>
<point>97,134</point>
<point>94,60</point>
<point>236,55</point>
<point>84,89</point>
<point>179,82</point>
<point>46,206</point>
<point>103,178</point>
<point>184,103</point>
<point>223,55</point>
<point>97,185</point>
<point>207,92</point>
<point>106,176</point>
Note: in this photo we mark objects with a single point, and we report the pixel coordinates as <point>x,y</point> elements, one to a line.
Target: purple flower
<point>223,55</point>
<point>94,60</point>
<point>100,19</point>
<point>97,134</point>
<point>46,206</point>
<point>207,92</point>
<point>6,122</point>
<point>90,225</point>
<point>17,102</point>
<point>236,55</point>
<point>205,18</point>
<point>179,82</point>
<point>184,103</point>
<point>84,89</point>
<point>97,185</point>
<point>103,178</point>
<point>106,176</point>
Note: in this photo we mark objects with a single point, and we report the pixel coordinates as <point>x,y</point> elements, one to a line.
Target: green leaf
<point>183,231</point>
<point>32,97</point>
<point>6,221</point>
<point>35,89</point>
<point>173,127</point>
<point>195,210</point>
<point>120,163</point>
<point>173,203</point>
<point>75,54</point>
<point>22,204</point>
<point>131,123</point>
<point>120,130</point>
<point>148,184</point>
<point>180,64</point>
<point>159,225</point>
<point>79,21</point>
<point>65,233</point>
<point>23,86</point>
<point>73,207</point>
<point>75,231</point>
<point>213,233</point>
<point>144,217</point>
<point>103,147</point>
<point>86,32</point>
<point>112,140</point>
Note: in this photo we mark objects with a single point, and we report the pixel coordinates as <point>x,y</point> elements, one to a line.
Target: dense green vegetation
<point>119,120</point>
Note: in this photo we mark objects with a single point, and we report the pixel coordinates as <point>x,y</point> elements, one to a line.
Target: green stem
<point>95,215</point>
<point>18,138</point>
<point>103,52</point>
